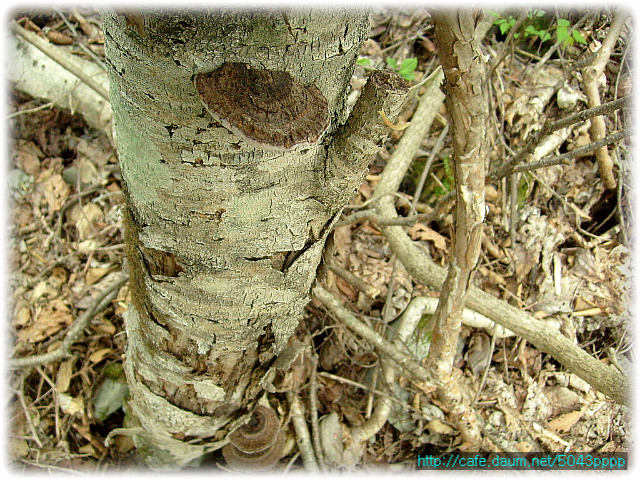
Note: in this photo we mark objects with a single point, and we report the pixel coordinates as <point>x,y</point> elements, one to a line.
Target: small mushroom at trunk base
<point>256,445</point>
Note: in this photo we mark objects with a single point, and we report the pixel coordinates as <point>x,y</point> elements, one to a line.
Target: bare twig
<point>550,127</point>
<point>353,383</point>
<point>30,110</point>
<point>313,407</point>
<point>27,416</point>
<point>62,59</point>
<point>566,157</point>
<point>427,167</point>
<point>406,325</point>
<point>101,302</point>
<point>550,340</point>
<point>80,41</point>
<point>591,75</point>
<point>405,221</point>
<point>413,368</point>
<point>302,433</point>
<point>352,279</point>
<point>492,346</point>
<point>547,339</point>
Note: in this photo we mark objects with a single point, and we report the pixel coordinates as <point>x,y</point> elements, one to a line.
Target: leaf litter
<point>570,263</point>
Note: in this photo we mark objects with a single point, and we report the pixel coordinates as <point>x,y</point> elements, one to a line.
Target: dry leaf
<point>95,274</point>
<point>100,355</point>
<point>87,246</point>
<point>346,289</point>
<point>89,214</point>
<point>106,327</point>
<point>436,426</point>
<point>63,378</point>
<point>422,232</point>
<point>22,316</point>
<point>28,157</point>
<point>42,290</point>
<point>48,321</point>
<point>564,422</point>
<point>55,192</point>
<point>88,449</point>
<point>71,405</point>
<point>18,447</point>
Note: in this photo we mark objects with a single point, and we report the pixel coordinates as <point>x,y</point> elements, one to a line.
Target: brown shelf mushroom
<point>256,445</point>
<point>267,108</point>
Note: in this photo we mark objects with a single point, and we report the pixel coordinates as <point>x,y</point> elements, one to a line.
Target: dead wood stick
<point>602,377</point>
<point>313,407</point>
<point>61,57</point>
<point>302,433</point>
<point>412,368</point>
<point>565,157</point>
<point>101,302</point>
<point>511,164</point>
<point>591,75</point>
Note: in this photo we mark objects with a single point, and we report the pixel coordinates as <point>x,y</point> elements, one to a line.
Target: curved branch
<point>591,74</point>
<point>603,378</point>
<point>101,302</point>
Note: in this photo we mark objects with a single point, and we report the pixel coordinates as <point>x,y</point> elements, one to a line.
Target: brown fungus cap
<point>259,433</point>
<point>267,108</point>
<point>256,445</point>
<point>243,461</point>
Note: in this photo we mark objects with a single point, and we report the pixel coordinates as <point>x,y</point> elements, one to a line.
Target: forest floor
<point>562,254</point>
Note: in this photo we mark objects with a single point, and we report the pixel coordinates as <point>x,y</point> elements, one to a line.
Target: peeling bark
<point>463,66</point>
<point>223,236</point>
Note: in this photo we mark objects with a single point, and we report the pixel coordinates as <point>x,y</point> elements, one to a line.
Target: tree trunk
<point>236,160</point>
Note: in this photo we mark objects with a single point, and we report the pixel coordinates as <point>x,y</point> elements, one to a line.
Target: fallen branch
<point>591,76</point>
<point>61,58</point>
<point>102,301</point>
<point>548,339</point>
<point>411,367</point>
<point>566,157</point>
<point>44,70</point>
<point>602,377</point>
<point>406,325</point>
<point>302,433</point>
<point>511,164</point>
<point>313,407</point>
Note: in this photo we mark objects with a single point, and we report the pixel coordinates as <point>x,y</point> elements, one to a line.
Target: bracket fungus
<point>256,445</point>
<point>267,108</point>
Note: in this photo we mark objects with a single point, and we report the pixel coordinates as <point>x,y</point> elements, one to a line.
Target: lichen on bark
<point>223,238</point>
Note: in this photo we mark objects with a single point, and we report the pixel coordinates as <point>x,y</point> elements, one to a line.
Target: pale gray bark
<point>223,238</point>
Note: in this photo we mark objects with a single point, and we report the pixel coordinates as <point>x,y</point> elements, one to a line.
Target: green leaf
<point>545,36</point>
<point>364,61</point>
<point>562,34</point>
<point>494,14</point>
<point>392,64</point>
<point>563,23</point>
<point>408,66</point>
<point>577,36</point>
